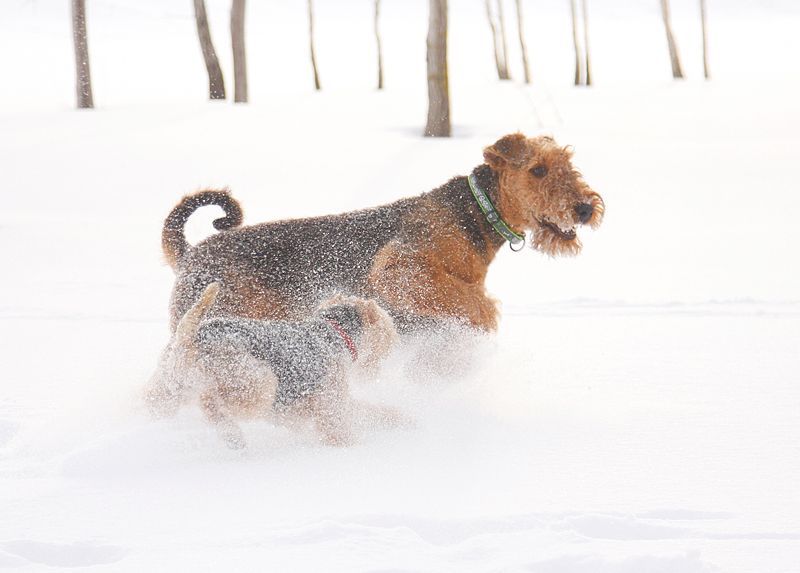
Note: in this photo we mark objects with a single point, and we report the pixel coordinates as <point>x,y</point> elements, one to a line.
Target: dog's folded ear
<point>510,150</point>
<point>371,312</point>
<point>335,299</point>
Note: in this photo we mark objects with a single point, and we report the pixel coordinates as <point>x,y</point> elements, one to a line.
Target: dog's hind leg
<point>215,411</point>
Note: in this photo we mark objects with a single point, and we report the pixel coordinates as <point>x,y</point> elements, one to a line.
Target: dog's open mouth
<point>567,235</point>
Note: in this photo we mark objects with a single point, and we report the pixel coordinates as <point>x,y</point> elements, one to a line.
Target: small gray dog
<point>247,368</point>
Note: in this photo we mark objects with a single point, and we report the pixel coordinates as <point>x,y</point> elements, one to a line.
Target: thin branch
<point>706,70</point>
<point>311,43</point>
<point>523,47</point>
<point>586,43</point>
<point>576,44</point>
<point>378,42</point>
<point>677,72</point>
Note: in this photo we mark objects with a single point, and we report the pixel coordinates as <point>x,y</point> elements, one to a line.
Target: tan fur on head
<point>511,150</point>
<point>379,335</point>
<point>541,192</point>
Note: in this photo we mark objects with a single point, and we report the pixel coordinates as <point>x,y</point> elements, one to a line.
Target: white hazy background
<point>637,410</point>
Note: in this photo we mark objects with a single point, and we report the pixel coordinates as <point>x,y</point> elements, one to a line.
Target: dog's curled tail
<point>190,322</point>
<point>173,238</point>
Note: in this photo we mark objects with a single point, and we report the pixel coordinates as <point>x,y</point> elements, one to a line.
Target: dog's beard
<point>554,243</point>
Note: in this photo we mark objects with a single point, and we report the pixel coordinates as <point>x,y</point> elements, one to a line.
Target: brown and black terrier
<point>423,258</point>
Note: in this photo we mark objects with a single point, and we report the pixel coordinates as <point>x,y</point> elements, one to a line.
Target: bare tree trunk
<point>576,44</point>
<point>216,84</point>
<point>378,42</point>
<point>497,62</point>
<point>317,85</point>
<point>438,124</point>
<point>586,43</point>
<point>499,50</point>
<point>523,47</point>
<point>84,78</point>
<point>503,38</point>
<point>239,57</point>
<point>706,70</point>
<point>673,48</point>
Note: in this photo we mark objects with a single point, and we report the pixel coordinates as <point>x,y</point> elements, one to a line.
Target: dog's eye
<point>539,171</point>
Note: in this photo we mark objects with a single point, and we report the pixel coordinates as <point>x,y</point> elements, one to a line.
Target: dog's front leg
<point>421,283</point>
<point>214,409</point>
<point>331,410</point>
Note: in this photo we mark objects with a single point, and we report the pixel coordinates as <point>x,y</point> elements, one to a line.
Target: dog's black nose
<point>584,211</point>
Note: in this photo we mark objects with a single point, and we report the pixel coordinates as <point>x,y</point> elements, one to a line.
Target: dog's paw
<point>375,417</point>
<point>336,435</point>
<point>234,439</point>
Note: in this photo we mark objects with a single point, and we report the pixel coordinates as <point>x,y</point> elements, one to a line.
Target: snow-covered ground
<point>638,411</point>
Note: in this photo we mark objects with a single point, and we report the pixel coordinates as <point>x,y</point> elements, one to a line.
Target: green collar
<point>494,218</point>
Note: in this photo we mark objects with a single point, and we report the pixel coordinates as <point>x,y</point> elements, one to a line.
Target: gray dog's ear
<point>511,150</point>
<point>371,311</point>
<point>333,300</point>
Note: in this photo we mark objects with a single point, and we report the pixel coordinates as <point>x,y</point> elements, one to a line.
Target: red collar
<point>351,346</point>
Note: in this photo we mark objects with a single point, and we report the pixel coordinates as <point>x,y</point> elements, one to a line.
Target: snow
<point>637,411</point>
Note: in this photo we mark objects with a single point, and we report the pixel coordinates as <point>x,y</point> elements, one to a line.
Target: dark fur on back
<point>284,256</point>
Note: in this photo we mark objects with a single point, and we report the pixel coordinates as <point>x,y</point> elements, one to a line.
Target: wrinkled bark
<point>80,42</point>
<point>520,28</point>
<point>216,83</point>
<point>438,124</point>
<point>677,72</point>
<point>317,85</point>
<point>239,57</point>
